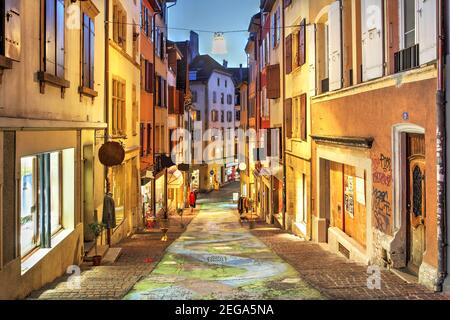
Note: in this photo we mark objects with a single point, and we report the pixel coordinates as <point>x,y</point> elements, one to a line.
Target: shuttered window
<point>372,39</point>
<point>10,30</point>
<point>427,30</point>
<point>172,92</point>
<point>141,135</point>
<point>149,138</point>
<point>288,117</point>
<point>120,26</point>
<point>273,81</point>
<point>289,54</point>
<point>302,44</point>
<point>148,76</point>
<point>88,51</point>
<point>303,118</point>
<point>335,46</point>
<point>311,33</point>
<point>54,37</point>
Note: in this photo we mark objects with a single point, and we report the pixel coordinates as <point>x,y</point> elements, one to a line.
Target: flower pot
<point>96,261</point>
<point>164,225</point>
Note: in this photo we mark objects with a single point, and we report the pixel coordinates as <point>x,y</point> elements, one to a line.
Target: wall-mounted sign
<point>111,154</point>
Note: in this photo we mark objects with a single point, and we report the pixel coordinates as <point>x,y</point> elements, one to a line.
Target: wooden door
<point>337,195</point>
<point>416,217</point>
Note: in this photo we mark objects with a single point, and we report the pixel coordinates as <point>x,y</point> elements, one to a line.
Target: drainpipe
<point>154,113</point>
<point>441,153</point>
<point>106,83</point>
<point>283,129</point>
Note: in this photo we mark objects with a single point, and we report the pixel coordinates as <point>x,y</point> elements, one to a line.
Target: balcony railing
<point>407,59</point>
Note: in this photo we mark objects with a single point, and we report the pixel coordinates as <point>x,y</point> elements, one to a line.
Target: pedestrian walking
<point>192,201</point>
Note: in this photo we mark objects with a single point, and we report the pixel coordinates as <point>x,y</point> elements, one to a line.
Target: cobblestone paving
<point>335,276</point>
<point>216,258</point>
<point>139,256</point>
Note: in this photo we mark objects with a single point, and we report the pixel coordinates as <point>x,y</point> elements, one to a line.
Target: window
<point>194,96</point>
<point>161,90</point>
<point>230,99</point>
<point>10,29</point>
<point>409,23</point>
<point>230,116</point>
<point>264,103</point>
<point>238,116</point>
<point>148,81</point>
<point>192,75</point>
<point>226,83</point>
<point>40,194</point>
<point>118,108</point>
<point>120,26</point>
<point>218,82</point>
<point>88,52</point>
<point>158,139</point>
<point>54,46</point>
<point>299,118</point>
<point>222,98</point>
<point>222,116</point>
<point>134,111</point>
<point>141,136</point>
<point>214,97</point>
<point>276,28</point>
<point>149,138</point>
<point>214,116</point>
<point>146,21</point>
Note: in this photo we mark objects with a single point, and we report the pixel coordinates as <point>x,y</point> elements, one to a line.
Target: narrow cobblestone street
<point>218,258</point>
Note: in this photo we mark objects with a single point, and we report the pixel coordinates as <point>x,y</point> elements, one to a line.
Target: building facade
<point>50,132</point>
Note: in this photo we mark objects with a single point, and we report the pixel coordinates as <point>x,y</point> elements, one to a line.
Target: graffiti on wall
<point>382,170</point>
<point>382,210</point>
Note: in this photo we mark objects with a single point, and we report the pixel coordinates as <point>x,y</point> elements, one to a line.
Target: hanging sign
<point>111,154</point>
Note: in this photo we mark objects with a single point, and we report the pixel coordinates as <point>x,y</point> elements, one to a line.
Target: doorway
<point>415,197</point>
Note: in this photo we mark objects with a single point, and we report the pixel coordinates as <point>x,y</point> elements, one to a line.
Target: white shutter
<point>334,49</point>
<point>311,40</point>
<point>12,29</point>
<point>372,39</point>
<point>427,15</point>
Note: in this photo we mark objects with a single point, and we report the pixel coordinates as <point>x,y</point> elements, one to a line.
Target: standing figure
<point>192,201</point>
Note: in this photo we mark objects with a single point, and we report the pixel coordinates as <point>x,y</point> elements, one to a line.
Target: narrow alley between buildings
<point>217,257</point>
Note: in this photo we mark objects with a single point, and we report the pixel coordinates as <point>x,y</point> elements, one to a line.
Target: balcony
<point>407,59</point>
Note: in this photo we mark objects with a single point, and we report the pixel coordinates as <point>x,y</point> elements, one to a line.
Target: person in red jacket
<point>192,201</point>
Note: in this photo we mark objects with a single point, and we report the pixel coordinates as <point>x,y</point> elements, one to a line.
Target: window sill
<point>44,78</point>
<point>5,63</point>
<point>85,91</point>
<point>33,259</point>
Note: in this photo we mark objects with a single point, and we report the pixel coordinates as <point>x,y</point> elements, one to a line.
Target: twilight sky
<point>214,15</point>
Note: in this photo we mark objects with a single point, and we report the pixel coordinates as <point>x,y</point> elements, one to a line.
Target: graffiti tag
<point>382,210</point>
<point>382,170</point>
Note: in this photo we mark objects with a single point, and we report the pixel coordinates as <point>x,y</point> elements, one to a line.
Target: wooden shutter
<point>303,117</point>
<point>12,29</point>
<point>372,39</point>
<point>273,81</point>
<point>171,100</point>
<point>60,28</point>
<point>289,54</point>
<point>151,78</point>
<point>91,53</point>
<point>50,40</point>
<point>288,117</point>
<point>86,44</point>
<point>302,43</point>
<point>427,30</point>
<point>335,46</point>
<point>269,142</point>
<point>311,36</point>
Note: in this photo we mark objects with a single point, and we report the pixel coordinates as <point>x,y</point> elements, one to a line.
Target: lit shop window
<point>40,199</point>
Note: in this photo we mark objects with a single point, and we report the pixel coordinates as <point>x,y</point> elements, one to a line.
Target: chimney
<point>194,44</point>
<point>225,63</point>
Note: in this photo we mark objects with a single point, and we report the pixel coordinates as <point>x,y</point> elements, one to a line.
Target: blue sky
<point>214,15</point>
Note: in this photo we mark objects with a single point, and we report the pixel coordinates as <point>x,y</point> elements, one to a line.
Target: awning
<point>175,178</point>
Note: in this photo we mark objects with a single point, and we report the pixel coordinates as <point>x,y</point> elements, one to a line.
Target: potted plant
<point>97,229</point>
<point>180,212</point>
<point>164,223</point>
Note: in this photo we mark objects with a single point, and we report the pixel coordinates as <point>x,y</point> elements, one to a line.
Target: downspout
<point>283,129</point>
<point>441,154</point>
<point>106,84</point>
<point>154,114</point>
